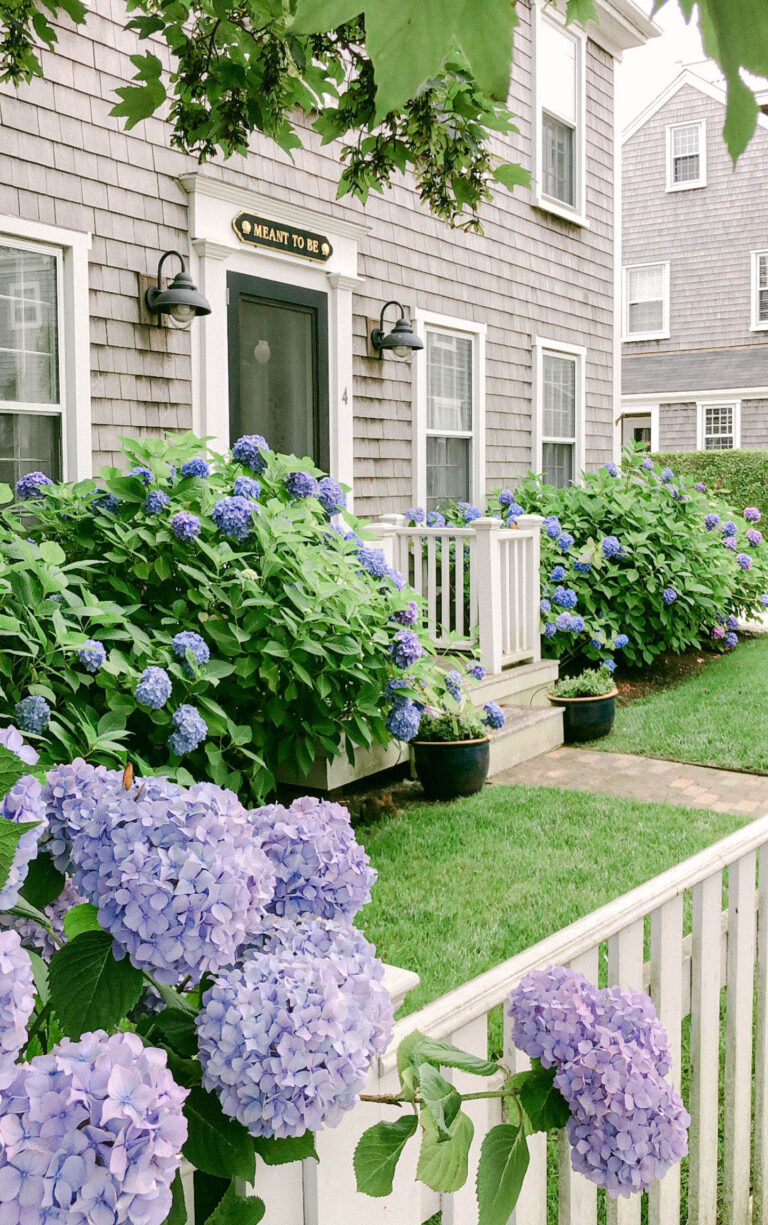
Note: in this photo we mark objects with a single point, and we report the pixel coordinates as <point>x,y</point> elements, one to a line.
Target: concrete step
<point>522,685</point>
<point>529,731</point>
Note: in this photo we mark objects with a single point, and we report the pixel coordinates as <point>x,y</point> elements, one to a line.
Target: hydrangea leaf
<point>216,1144</point>
<point>44,881</point>
<point>40,975</point>
<point>443,1055</point>
<point>236,1209</point>
<point>443,1164</point>
<point>291,1148</point>
<point>10,834</point>
<point>12,768</point>
<point>378,1152</point>
<point>178,1030</point>
<point>500,1173</point>
<point>89,989</point>
<point>442,1100</point>
<point>544,1105</point>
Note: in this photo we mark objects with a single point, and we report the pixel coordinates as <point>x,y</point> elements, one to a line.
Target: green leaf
<point>178,1030</point>
<point>139,102</point>
<point>443,1101</point>
<point>44,881</point>
<point>378,1152</point>
<point>581,11</point>
<point>443,1163</point>
<point>318,16</point>
<point>12,768</point>
<point>544,1105</point>
<point>216,1144</point>
<point>81,918</point>
<point>178,1213</point>
<point>236,1209</point>
<point>89,989</point>
<point>52,553</point>
<point>10,834</point>
<point>281,1152</point>
<point>500,1173</point>
<point>40,975</point>
<point>511,176</point>
<point>443,1055</point>
<point>407,1051</point>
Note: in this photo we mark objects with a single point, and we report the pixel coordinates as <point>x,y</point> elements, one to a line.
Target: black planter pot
<point>586,718</point>
<point>449,768</point>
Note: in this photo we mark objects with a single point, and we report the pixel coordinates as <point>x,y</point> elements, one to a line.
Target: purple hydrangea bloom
<point>752,514</point>
<point>711,522</point>
<point>564,621</point>
<point>23,805</point>
<point>730,528</point>
<point>550,629</point>
<point>565,596</point>
<point>469,511</point>
<point>179,876</point>
<point>667,475</point>
<point>415,514</point>
<point>552,526</point>
<point>611,468</point>
<point>247,487</point>
<point>453,684</point>
<point>405,649</point>
<point>330,495</point>
<point>17,1002</point>
<point>744,560</point>
<point>403,720</point>
<point>33,935</point>
<point>301,485</point>
<point>12,739</point>
<point>553,1014</point>
<point>730,542</point>
<point>545,605</point>
<point>731,640</point>
<point>185,526</point>
<point>647,464</point>
<point>494,716</point>
<point>32,485</point>
<point>156,502</point>
<point>435,518</point>
<point>154,688</point>
<point>233,517</point>
<point>506,497</point>
<point>610,664</point>
<point>373,560</point>
<point>700,487</point>
<point>320,867</point>
<point>764,600</point>
<point>92,1134</point>
<point>611,547</point>
<point>145,474</point>
<point>188,640</point>
<point>407,616</point>
<point>196,467</point>
<point>397,579</point>
<point>558,574</point>
<point>582,566</point>
<point>477,671</point>
<point>33,714</point>
<point>732,623</point>
<point>191,730</point>
<point>754,536</point>
<point>620,641</point>
<point>577,625</point>
<point>718,632</point>
<point>669,595</point>
<point>564,541</point>
<point>250,450</point>
<point>70,793</point>
<point>92,655</point>
<point>396,684</point>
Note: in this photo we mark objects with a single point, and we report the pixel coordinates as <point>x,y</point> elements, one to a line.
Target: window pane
<point>557,66</point>
<point>448,471</point>
<point>29,361</point>
<point>449,382</point>
<point>557,141</point>
<point>277,374</point>
<point>646,283</point>
<point>686,140</point>
<point>559,397</point>
<point>762,305</point>
<point>557,463</point>
<point>718,427</point>
<point>646,316</point>
<point>29,443</point>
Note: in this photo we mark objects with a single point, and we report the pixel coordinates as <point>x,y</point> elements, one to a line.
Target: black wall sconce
<point>402,342</point>
<point>181,300</point>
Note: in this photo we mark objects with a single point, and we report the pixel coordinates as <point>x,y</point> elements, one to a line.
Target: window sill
<point>561,210</point>
<point>759,327</point>
<point>642,336</point>
<point>686,186</point>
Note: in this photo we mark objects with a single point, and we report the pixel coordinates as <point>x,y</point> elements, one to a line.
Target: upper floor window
<point>687,155</point>
<point>718,426</point>
<point>759,290</point>
<point>646,301</point>
<point>559,412</point>
<point>560,106</point>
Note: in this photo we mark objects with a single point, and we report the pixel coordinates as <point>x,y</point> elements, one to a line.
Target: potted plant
<point>588,702</point>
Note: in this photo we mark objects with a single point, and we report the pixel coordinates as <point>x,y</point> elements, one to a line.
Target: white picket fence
<point>670,936</point>
<point>480,583</point>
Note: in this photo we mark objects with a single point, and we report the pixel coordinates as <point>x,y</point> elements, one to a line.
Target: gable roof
<point>710,89</point>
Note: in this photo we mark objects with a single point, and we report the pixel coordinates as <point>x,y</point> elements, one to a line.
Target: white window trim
<point>756,323</point>
<point>476,332</point>
<point>71,248</point>
<point>701,407</point>
<point>578,214</point>
<point>702,179</point>
<point>663,333</point>
<point>542,345</point>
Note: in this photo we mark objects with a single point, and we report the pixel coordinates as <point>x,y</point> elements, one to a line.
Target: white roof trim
<point>257,202</point>
<point>709,88</point>
<point>622,25</point>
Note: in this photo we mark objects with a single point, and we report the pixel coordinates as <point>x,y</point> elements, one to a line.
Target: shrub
<point>739,477</point>
<point>591,683</point>
<point>449,725</point>
<point>216,624</point>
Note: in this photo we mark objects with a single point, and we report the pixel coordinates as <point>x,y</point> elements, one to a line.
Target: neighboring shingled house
<point>519,323</point>
<point>695,277</point>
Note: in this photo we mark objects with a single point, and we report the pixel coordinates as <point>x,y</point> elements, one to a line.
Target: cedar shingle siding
<point>64,161</point>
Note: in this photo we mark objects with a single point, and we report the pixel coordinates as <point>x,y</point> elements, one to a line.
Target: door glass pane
<point>448,471</point>
<point>559,397</point>
<point>449,382</point>
<point>277,375</point>
<point>29,362</point>
<point>557,155</point>
<point>29,442</point>
<point>557,463</point>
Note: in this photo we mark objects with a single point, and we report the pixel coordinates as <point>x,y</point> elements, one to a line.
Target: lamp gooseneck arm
<point>163,258</point>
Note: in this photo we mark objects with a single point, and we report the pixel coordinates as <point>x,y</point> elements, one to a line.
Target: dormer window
<point>687,155</point>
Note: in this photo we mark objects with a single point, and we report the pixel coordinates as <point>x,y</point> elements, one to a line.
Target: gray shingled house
<point>519,324</point>
<point>695,277</point>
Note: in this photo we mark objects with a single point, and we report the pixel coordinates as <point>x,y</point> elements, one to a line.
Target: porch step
<point>529,731</point>
<point>521,685</point>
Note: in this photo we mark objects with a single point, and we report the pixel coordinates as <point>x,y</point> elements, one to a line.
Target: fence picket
<point>667,994</point>
<point>578,1196</point>
<point>738,1038</point>
<point>532,1205</point>
<point>460,1208</point>
<point>760,1150</point>
<point>625,968</point>
<point>705,1050</point>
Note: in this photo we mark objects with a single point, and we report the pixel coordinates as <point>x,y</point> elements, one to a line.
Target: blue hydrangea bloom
<point>191,730</point>
<point>506,497</point>
<point>732,623</point>
<point>146,475</point>
<point>407,616</point>
<point>711,522</point>
<point>415,514</point>
<point>731,640</point>
<point>185,526</point>
<point>611,546</point>
<point>610,664</point>
<point>22,804</point>
<point>301,485</point>
<point>330,495</point>
<point>621,641</point>
<point>730,542</point>
<point>395,684</point>
<point>104,502</point>
<point>577,624</point>
<point>156,502</point>
<point>403,720</point>
<point>669,595</point>
<point>17,1003</point>
<point>597,643</point>
<point>564,542</point>
<point>33,714</point>
<point>405,649</point>
<point>647,464</point>
<point>188,640</point>
<point>196,467</point>
<point>453,684</point>
<point>754,537</point>
<point>233,517</point>
<point>552,526</point>
<point>469,511</point>
<point>744,560</point>
<point>752,514</point>
<point>397,579</point>
<point>611,468</point>
<point>558,574</point>
<point>477,671</point>
<point>700,487</point>
<point>550,629</point>
<point>247,487</point>
<point>667,475</point>
<point>92,655</point>
<point>730,528</point>
<point>545,606</point>
<point>764,599</point>
<point>494,716</point>
<point>435,518</point>
<point>373,560</point>
<point>32,485</point>
<point>154,688</point>
<point>563,622</point>
<point>251,450</point>
<point>582,566</point>
<point>565,596</point>
<point>71,791</point>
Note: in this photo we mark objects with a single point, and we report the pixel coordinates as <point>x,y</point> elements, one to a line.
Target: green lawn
<point>717,718</point>
<point>462,886</point>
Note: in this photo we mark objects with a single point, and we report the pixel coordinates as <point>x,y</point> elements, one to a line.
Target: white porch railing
<point>480,583</point>
<point>639,940</point>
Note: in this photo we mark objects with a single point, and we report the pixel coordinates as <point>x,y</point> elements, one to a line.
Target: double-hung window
<point>646,301</point>
<point>559,412</point>
<point>687,155</point>
<point>718,426</point>
<point>759,290</point>
<point>560,107</point>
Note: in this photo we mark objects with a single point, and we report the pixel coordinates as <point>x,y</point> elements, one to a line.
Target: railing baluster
<point>738,1038</point>
<point>460,1208</point>
<point>577,1196</point>
<point>705,1050</point>
<point>532,1205</point>
<point>625,969</point>
<point>445,582</point>
<point>432,587</point>
<point>418,565</point>
<point>458,578</point>
<point>667,993</point>
<point>760,1159</point>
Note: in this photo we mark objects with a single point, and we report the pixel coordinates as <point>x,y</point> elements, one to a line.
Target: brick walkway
<point>644,778</point>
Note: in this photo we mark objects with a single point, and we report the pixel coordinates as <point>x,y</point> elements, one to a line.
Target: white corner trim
<point>540,346</point>
<point>197,184</point>
<point>628,337</point>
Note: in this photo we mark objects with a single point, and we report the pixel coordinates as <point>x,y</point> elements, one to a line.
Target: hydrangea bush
<point>217,616</point>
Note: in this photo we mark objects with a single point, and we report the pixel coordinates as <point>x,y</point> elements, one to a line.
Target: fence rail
<point>480,583</point>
